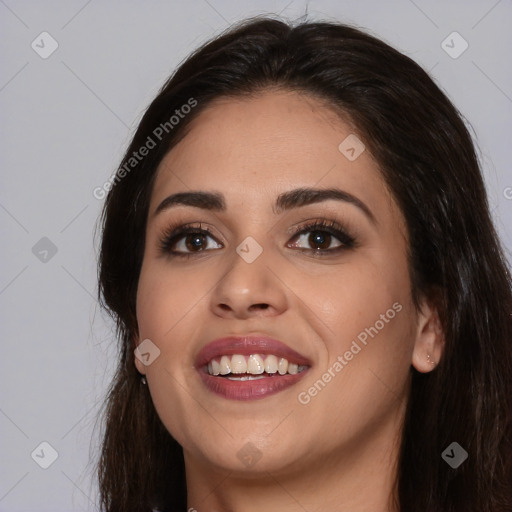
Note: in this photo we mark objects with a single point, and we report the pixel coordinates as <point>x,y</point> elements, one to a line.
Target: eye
<point>325,237</point>
<point>186,240</point>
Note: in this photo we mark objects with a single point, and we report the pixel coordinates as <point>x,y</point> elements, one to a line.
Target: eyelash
<point>174,234</point>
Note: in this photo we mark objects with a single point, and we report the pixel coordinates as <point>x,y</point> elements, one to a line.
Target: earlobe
<point>138,363</point>
<point>429,342</point>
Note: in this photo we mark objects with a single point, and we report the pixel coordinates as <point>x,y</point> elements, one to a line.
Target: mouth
<point>249,368</point>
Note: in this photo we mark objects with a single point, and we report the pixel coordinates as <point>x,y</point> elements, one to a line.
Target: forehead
<point>266,144</point>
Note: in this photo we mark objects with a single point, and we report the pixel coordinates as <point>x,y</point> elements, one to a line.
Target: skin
<point>338,451</point>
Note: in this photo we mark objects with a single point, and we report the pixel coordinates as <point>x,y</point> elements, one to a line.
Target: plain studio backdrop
<point>75,79</point>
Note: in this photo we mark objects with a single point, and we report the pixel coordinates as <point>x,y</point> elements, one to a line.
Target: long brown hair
<point>429,163</point>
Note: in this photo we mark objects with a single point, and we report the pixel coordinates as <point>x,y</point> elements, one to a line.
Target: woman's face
<point>337,296</point>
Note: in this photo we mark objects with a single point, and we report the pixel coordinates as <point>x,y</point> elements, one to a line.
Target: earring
<point>143,380</point>
<point>429,359</point>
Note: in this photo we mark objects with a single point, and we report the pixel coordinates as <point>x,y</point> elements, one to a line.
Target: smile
<point>255,364</point>
<point>249,368</point>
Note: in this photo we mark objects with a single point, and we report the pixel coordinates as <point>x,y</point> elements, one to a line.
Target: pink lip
<point>247,345</point>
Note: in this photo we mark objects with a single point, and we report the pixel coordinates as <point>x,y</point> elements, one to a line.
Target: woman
<point>312,303</point>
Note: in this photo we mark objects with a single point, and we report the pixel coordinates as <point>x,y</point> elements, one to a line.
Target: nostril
<point>260,306</point>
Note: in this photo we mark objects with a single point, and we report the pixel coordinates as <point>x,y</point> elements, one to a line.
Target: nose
<point>249,290</point>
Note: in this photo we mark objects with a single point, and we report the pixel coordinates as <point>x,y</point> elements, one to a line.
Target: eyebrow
<point>296,198</point>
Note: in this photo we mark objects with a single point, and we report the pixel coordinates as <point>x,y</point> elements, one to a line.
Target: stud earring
<point>430,360</point>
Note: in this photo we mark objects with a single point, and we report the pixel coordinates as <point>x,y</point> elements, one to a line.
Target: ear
<point>430,341</point>
<point>138,363</point>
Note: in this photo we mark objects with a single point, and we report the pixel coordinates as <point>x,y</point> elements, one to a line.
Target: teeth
<point>293,369</point>
<point>271,364</point>
<point>255,364</point>
<point>225,365</point>
<point>215,367</point>
<point>247,377</point>
<point>240,368</point>
<point>283,366</point>
<point>238,364</point>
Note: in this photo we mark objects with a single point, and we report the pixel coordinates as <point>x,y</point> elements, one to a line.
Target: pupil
<point>194,241</point>
<point>319,238</point>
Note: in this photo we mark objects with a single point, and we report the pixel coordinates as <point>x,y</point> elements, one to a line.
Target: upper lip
<point>247,345</point>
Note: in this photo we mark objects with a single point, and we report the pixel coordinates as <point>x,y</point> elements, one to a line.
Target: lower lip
<point>249,389</point>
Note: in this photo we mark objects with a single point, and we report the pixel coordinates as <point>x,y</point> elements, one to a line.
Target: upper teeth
<point>255,364</point>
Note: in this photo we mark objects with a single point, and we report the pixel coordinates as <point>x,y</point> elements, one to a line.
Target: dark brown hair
<point>428,161</point>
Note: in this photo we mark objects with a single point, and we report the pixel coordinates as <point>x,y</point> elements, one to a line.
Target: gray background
<point>67,120</point>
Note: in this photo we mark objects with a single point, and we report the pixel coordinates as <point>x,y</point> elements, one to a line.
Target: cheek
<point>369,312</point>
<point>164,297</point>
<point>166,301</point>
<point>354,296</point>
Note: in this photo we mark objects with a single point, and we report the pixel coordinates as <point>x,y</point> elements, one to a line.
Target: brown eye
<point>195,241</point>
<point>320,240</point>
<point>325,237</point>
<point>185,241</point>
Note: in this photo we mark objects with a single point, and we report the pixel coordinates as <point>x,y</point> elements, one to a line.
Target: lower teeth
<point>232,376</point>
<point>247,377</point>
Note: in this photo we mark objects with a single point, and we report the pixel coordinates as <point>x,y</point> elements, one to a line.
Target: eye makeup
<point>194,236</point>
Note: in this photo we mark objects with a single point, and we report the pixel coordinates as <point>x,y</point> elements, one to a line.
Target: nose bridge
<point>249,284</point>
